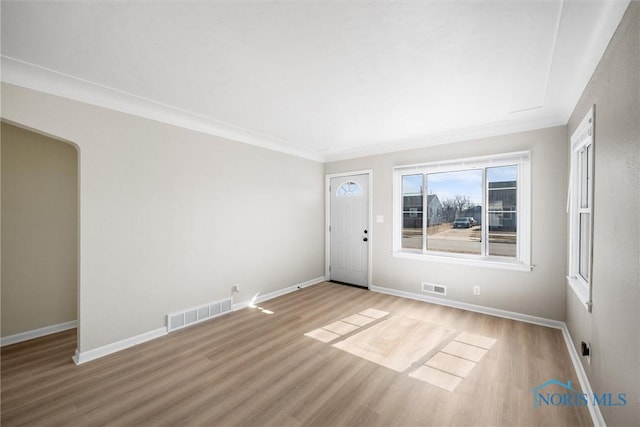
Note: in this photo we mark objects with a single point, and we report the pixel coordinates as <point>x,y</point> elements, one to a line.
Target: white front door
<point>349,229</point>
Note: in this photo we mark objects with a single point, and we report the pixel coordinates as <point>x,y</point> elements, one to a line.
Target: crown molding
<point>489,130</point>
<point>31,76</point>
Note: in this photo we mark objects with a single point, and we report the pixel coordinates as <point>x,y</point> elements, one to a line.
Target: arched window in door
<point>349,189</point>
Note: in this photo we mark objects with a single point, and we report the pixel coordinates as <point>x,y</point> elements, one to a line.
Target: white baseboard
<point>262,298</point>
<point>473,307</point>
<point>37,333</point>
<point>83,357</point>
<point>86,356</point>
<point>594,410</point>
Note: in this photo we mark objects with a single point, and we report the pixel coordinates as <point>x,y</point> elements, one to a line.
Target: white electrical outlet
<point>476,290</point>
<point>589,356</point>
<point>235,289</point>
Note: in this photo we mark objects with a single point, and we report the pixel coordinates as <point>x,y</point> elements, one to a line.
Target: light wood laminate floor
<point>253,368</point>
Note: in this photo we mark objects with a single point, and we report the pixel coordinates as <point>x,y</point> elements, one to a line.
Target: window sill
<point>581,289</point>
<point>503,264</point>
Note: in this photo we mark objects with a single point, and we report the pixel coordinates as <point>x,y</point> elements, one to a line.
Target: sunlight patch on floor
<point>447,368</point>
<point>372,312</point>
<point>400,343</point>
<point>465,351</point>
<point>436,377</point>
<point>345,326</point>
<point>340,327</point>
<point>264,310</point>
<point>477,340</point>
<point>359,319</point>
<point>396,342</point>
<point>322,335</point>
<point>452,364</point>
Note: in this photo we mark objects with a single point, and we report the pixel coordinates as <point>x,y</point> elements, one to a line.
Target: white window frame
<point>521,159</point>
<point>581,139</point>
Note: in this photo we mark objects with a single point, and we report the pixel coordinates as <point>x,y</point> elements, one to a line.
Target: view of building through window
<point>453,214</point>
<point>502,210</point>
<point>412,206</point>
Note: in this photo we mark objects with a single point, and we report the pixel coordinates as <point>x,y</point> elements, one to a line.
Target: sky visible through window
<point>449,184</point>
<point>502,174</point>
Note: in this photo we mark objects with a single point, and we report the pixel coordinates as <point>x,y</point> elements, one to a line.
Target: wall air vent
<point>181,319</point>
<point>434,289</point>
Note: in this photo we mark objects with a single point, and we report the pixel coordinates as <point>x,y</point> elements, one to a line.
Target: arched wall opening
<point>40,234</point>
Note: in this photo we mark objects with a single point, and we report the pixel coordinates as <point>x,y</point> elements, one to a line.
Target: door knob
<point>365,231</point>
<point>365,240</point>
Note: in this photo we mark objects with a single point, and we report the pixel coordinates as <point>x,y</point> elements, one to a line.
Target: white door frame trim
<point>327,220</point>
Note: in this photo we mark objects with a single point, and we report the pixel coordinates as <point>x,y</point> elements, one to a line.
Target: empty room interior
<point>320,213</point>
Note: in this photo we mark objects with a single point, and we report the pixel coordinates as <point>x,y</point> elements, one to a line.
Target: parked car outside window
<point>462,223</point>
<point>472,221</point>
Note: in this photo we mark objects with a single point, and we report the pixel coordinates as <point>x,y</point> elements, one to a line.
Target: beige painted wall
<point>172,218</point>
<point>539,292</point>
<point>613,326</point>
<point>39,231</point>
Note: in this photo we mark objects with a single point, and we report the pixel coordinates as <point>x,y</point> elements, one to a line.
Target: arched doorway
<point>39,235</point>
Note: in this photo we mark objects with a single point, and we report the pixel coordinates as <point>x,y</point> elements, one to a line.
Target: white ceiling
<point>322,80</point>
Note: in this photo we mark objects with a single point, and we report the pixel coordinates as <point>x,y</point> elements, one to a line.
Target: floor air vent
<point>434,289</point>
<point>181,319</point>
